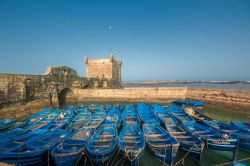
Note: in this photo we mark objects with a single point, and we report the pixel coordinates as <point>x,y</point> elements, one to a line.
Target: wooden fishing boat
<point>241,125</point>
<point>79,120</point>
<point>130,117</point>
<point>71,150</point>
<point>242,135</point>
<point>102,144</point>
<point>146,114</point>
<point>215,140</point>
<point>6,123</point>
<point>96,120</point>
<point>39,116</point>
<point>131,143</point>
<point>164,116</point>
<point>190,103</point>
<point>198,115</point>
<point>113,117</point>
<point>42,121</point>
<point>31,148</point>
<point>179,114</point>
<point>188,142</point>
<point>11,134</point>
<point>160,143</point>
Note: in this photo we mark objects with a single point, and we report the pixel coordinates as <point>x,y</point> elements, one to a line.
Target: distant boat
<point>146,114</point>
<point>179,114</point>
<point>240,133</point>
<point>188,142</point>
<point>215,140</point>
<point>70,151</point>
<point>190,103</point>
<point>113,116</point>
<point>160,143</point>
<point>102,144</point>
<point>131,142</point>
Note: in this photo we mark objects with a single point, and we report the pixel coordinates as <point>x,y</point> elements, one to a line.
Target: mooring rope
<point>183,159</point>
<point>233,161</point>
<point>90,159</point>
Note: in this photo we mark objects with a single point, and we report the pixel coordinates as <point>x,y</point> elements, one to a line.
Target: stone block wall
<point>225,99</point>
<point>131,94</point>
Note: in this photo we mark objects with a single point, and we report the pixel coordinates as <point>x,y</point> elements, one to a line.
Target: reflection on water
<point>226,117</point>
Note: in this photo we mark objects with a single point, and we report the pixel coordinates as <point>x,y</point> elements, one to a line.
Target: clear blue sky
<point>156,39</point>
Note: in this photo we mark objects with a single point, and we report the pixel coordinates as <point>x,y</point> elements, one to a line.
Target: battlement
<point>109,68</point>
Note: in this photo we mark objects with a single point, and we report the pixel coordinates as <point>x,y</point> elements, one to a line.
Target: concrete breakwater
<point>224,99</point>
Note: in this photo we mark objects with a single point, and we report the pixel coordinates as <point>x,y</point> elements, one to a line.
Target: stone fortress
<point>58,82</point>
<point>23,94</point>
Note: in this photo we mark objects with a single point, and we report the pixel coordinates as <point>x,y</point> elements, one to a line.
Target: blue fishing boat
<point>94,107</point>
<point>146,114</point>
<point>31,148</point>
<point>215,140</point>
<point>188,142</point>
<point>198,115</point>
<point>71,150</point>
<point>11,134</point>
<point>79,120</point>
<point>241,125</point>
<point>38,116</point>
<point>102,144</point>
<point>107,107</point>
<point>131,143</point>
<point>6,123</point>
<point>96,119</point>
<point>242,135</point>
<point>41,121</point>
<point>179,114</point>
<point>164,116</point>
<point>190,103</point>
<point>130,117</point>
<point>160,143</point>
<point>113,117</point>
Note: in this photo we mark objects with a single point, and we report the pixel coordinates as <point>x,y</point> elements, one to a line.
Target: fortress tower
<point>104,69</point>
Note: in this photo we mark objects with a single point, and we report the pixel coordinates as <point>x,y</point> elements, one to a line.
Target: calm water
<point>196,85</point>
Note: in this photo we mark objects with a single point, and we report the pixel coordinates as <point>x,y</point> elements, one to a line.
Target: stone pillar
<point>54,96</point>
<point>105,84</point>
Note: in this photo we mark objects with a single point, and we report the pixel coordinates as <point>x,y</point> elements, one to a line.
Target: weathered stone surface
<point>225,99</point>
<point>131,94</point>
<point>109,69</point>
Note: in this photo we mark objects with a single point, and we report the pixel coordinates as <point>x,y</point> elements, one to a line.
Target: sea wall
<point>224,99</point>
<point>20,110</point>
<point>137,94</point>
